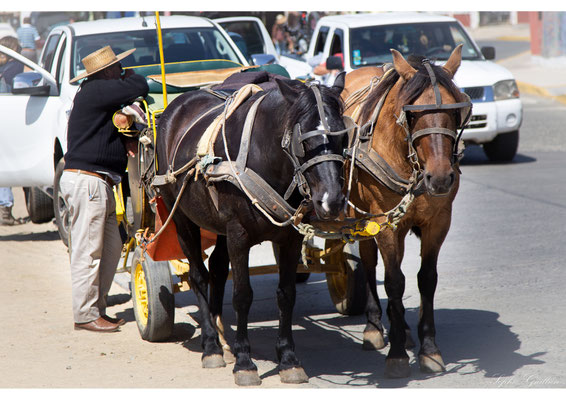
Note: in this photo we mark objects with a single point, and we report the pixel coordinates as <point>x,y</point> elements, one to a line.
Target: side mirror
<point>334,62</point>
<point>262,59</point>
<point>488,52</point>
<point>30,83</point>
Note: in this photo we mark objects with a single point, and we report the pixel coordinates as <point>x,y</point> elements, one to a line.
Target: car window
<point>182,44</point>
<point>49,52</point>
<point>435,40</point>
<point>337,42</point>
<point>9,68</point>
<point>250,33</point>
<point>321,40</point>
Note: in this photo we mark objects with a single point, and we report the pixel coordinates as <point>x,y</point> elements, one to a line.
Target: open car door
<point>28,113</point>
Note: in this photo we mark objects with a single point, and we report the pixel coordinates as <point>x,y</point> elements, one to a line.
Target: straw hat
<point>100,59</point>
<point>280,19</point>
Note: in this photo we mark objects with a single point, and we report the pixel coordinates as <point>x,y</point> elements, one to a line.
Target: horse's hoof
<point>247,378</point>
<point>229,357</point>
<point>293,375</point>
<point>373,340</point>
<point>409,342</point>
<point>397,368</point>
<point>213,361</point>
<point>431,363</point>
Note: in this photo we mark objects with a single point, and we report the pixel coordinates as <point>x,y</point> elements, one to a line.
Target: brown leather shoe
<point>98,325</point>
<point>117,321</point>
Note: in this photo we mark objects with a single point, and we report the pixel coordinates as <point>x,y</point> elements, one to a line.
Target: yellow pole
<point>160,40</point>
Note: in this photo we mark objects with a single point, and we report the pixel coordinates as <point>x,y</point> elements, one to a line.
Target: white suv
<point>366,39</point>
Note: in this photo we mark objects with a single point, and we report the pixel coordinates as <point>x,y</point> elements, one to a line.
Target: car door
<point>26,153</point>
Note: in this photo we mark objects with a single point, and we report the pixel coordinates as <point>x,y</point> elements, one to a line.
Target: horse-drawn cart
<point>152,253</point>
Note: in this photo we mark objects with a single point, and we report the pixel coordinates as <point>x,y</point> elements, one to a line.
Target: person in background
<point>278,34</point>
<point>95,160</point>
<point>29,37</point>
<point>9,68</point>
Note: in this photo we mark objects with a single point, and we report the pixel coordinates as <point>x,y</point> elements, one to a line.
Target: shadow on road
<point>329,345</point>
<point>31,236</point>
<point>474,155</point>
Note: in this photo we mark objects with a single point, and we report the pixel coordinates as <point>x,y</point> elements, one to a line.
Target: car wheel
<point>39,205</point>
<point>60,207</point>
<point>503,148</point>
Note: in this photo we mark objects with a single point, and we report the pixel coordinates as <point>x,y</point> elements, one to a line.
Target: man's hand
<point>128,73</point>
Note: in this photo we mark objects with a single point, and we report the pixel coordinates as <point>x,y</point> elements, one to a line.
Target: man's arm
<point>116,92</point>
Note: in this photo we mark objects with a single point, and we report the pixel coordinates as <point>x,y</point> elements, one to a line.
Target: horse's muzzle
<point>439,184</point>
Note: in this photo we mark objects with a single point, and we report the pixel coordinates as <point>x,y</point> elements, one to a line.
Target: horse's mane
<point>304,109</point>
<point>412,89</point>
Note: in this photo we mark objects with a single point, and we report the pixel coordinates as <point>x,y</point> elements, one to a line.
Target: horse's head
<point>434,109</point>
<point>315,139</point>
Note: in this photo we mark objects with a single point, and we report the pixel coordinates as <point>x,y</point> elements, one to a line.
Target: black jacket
<point>93,142</point>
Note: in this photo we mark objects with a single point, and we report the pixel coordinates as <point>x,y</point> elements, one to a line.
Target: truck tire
<point>152,297</point>
<point>348,290</point>
<point>39,205</point>
<point>60,208</point>
<point>503,148</point>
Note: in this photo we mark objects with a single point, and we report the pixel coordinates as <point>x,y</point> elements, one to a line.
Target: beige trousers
<point>94,242</point>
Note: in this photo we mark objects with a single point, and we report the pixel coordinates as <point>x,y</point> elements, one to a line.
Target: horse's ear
<point>289,94</point>
<point>402,66</point>
<point>454,61</point>
<point>339,83</point>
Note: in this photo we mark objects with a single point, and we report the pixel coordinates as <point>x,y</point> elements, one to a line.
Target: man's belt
<point>105,178</point>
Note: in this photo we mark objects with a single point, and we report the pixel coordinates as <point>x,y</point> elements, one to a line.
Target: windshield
<point>371,45</point>
<point>183,44</point>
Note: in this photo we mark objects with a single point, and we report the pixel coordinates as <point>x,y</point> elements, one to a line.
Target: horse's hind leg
<point>245,371</point>
<point>290,369</point>
<point>188,234</point>
<point>373,332</point>
<point>218,266</point>
<point>430,359</point>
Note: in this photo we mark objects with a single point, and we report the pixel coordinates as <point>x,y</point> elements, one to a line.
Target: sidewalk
<point>534,74</point>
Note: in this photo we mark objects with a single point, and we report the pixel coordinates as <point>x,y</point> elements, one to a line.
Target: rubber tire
<point>302,277</point>
<point>503,148</point>
<point>348,291</point>
<point>39,205</point>
<point>60,208</point>
<point>159,303</point>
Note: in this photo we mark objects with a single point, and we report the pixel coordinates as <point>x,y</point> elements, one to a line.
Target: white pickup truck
<point>35,113</point>
<point>366,39</point>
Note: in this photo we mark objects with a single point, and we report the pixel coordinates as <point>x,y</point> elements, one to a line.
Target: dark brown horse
<point>415,135</point>
<point>308,121</point>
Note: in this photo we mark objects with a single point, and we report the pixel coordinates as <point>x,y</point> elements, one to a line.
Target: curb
<point>539,91</point>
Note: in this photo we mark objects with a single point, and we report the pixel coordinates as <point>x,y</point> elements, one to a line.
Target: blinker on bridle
<point>293,146</point>
<point>465,108</point>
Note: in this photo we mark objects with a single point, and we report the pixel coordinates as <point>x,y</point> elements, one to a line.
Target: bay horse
<point>308,116</point>
<point>415,136</point>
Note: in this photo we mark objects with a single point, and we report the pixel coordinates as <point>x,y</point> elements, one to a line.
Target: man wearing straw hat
<point>95,160</point>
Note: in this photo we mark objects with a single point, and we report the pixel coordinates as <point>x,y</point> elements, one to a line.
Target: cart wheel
<point>348,289</point>
<point>152,297</point>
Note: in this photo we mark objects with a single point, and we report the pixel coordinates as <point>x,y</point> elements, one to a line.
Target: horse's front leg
<point>218,266</point>
<point>188,235</point>
<point>373,332</point>
<point>290,369</point>
<point>430,359</point>
<point>245,371</point>
<point>391,246</point>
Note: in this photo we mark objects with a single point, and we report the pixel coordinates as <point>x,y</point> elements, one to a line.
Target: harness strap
<point>430,131</point>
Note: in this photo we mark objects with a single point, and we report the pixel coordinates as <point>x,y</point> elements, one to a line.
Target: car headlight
<point>504,90</point>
